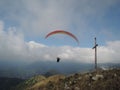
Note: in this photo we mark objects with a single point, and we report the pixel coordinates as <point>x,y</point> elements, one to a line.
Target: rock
<point>97,77</point>
<point>70,82</point>
<point>77,88</point>
<point>115,75</point>
<point>66,87</point>
<point>74,82</point>
<point>79,78</point>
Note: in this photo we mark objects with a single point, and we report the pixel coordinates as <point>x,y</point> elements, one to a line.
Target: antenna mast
<point>95,47</point>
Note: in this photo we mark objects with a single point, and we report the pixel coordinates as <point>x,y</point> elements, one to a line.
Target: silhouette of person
<point>58,59</point>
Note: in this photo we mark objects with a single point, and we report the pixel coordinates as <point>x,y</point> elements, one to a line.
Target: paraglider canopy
<point>62,32</point>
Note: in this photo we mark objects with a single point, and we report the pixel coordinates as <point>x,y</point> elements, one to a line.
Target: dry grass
<point>43,83</point>
<point>109,81</point>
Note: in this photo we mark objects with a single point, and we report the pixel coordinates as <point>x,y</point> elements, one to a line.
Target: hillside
<point>100,80</point>
<point>30,82</point>
<point>9,83</point>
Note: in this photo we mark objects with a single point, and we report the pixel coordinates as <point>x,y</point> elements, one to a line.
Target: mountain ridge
<point>96,80</point>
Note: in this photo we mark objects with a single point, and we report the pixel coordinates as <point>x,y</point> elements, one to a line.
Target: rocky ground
<point>96,80</point>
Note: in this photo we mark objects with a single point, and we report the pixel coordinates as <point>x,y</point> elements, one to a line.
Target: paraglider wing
<point>62,32</point>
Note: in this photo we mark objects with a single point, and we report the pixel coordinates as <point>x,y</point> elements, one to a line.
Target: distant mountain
<point>109,65</point>
<point>48,68</point>
<point>51,73</point>
<point>36,68</point>
<point>9,83</point>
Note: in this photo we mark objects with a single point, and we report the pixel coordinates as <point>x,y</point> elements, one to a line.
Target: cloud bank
<point>37,17</point>
<point>13,47</point>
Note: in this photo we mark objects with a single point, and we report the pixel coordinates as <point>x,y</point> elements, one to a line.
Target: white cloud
<point>13,47</point>
<point>1,26</point>
<point>110,52</point>
<point>38,17</point>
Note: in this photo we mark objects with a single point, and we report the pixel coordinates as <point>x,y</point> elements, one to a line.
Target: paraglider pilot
<point>58,59</point>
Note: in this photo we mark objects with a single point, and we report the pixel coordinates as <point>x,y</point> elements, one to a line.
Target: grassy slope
<point>29,83</point>
<point>78,81</point>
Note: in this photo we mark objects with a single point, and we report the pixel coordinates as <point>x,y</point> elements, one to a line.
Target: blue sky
<point>24,24</point>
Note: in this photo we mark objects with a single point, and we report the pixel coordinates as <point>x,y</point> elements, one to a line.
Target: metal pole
<point>95,47</point>
<point>95,55</point>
